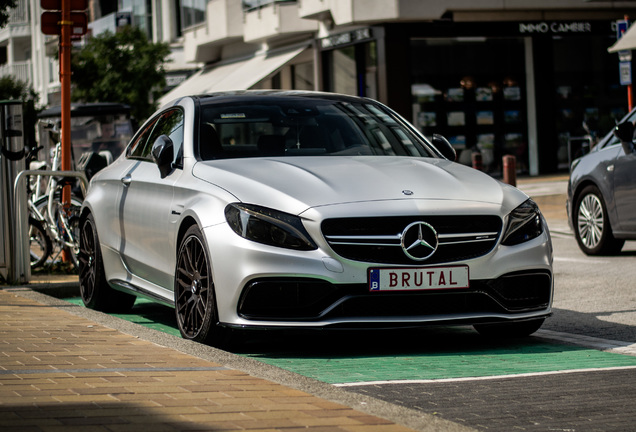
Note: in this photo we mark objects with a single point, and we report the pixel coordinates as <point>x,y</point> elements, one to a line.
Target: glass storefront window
<point>588,99</point>
<point>472,91</point>
<point>303,76</point>
<point>343,72</point>
<point>352,70</point>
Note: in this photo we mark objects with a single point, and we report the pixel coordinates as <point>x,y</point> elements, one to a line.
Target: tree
<point>5,6</point>
<point>124,67</point>
<point>12,88</point>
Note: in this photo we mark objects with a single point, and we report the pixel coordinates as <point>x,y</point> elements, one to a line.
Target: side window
<point>171,124</point>
<point>136,148</point>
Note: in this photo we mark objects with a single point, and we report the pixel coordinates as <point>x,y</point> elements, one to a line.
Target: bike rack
<point>22,261</point>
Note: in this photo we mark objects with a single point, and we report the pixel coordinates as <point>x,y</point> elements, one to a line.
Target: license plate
<point>423,278</point>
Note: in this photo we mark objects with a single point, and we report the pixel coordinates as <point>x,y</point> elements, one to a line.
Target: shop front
<point>527,89</point>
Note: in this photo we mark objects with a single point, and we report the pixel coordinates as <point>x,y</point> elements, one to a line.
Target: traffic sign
<point>51,23</point>
<point>621,27</point>
<point>626,72</point>
<point>76,5</point>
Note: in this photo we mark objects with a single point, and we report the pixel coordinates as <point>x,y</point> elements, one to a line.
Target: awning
<point>238,75</point>
<point>626,42</point>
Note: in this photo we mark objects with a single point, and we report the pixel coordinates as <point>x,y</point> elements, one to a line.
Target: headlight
<point>524,223</point>
<point>267,226</point>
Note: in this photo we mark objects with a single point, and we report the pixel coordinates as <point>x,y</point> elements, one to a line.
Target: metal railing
<point>21,256</point>
<point>20,13</point>
<point>254,4</point>
<point>20,70</point>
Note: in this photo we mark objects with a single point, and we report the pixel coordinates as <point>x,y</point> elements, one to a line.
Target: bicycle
<point>40,245</point>
<point>48,214</point>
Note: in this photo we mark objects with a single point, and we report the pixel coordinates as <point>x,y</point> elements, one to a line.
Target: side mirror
<point>163,154</point>
<point>625,133</point>
<point>444,147</point>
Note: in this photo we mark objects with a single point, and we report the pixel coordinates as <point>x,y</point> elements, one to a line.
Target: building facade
<point>521,77</point>
<point>31,57</point>
<point>527,78</point>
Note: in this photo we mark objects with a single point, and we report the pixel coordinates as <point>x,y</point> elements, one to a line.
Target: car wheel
<point>195,301</point>
<point>510,330</point>
<point>94,289</point>
<point>591,224</point>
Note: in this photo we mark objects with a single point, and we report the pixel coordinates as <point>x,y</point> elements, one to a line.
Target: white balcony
<point>314,9</point>
<point>223,25</point>
<point>276,20</point>
<point>19,70</point>
<point>19,25</point>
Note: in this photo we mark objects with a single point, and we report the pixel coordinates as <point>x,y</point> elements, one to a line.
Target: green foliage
<point>5,5</point>
<point>124,67</point>
<point>13,88</point>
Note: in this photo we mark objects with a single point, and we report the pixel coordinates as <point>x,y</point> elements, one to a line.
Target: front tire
<point>195,301</point>
<point>94,289</point>
<point>591,224</point>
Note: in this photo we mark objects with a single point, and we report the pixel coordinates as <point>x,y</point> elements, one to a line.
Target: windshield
<point>304,127</point>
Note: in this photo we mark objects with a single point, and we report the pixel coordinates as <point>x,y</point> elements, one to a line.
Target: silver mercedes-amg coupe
<point>278,209</point>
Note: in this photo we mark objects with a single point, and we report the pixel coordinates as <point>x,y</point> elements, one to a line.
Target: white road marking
<point>600,344</point>
<point>607,345</point>
<point>580,260</point>
<point>483,378</point>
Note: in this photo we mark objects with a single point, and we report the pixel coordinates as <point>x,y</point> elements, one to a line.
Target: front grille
<point>377,240</point>
<point>306,299</point>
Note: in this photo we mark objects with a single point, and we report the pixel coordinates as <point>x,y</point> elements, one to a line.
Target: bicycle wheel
<point>39,243</point>
<point>64,231</point>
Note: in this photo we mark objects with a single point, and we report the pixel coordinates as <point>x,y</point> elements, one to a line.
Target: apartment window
<point>142,14</point>
<point>192,12</point>
<point>253,4</point>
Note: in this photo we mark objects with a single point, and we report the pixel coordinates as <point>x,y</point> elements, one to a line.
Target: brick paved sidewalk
<point>60,372</point>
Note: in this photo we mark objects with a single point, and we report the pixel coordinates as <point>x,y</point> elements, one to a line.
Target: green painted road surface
<point>430,354</point>
<point>519,358</point>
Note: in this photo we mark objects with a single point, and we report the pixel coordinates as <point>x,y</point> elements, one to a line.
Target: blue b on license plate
<point>427,278</point>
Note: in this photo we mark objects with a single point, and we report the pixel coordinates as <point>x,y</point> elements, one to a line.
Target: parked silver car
<point>602,192</point>
<point>270,209</point>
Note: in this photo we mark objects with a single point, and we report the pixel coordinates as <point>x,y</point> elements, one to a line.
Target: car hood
<point>295,184</point>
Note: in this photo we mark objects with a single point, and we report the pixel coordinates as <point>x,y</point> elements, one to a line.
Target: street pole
<point>65,79</point>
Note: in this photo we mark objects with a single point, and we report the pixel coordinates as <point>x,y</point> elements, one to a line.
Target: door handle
<point>126,180</point>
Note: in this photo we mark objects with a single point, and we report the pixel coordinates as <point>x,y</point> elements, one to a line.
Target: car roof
<point>278,94</point>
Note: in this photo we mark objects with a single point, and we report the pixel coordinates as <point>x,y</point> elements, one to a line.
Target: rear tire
<point>94,289</point>
<point>510,330</point>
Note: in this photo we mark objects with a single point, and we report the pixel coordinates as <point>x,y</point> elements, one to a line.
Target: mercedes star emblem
<point>419,241</point>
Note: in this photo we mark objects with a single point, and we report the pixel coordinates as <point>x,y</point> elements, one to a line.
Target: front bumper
<point>313,300</point>
<point>259,286</point>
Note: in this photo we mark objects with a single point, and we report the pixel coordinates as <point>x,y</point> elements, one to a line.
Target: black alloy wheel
<point>195,304</point>
<point>94,289</point>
